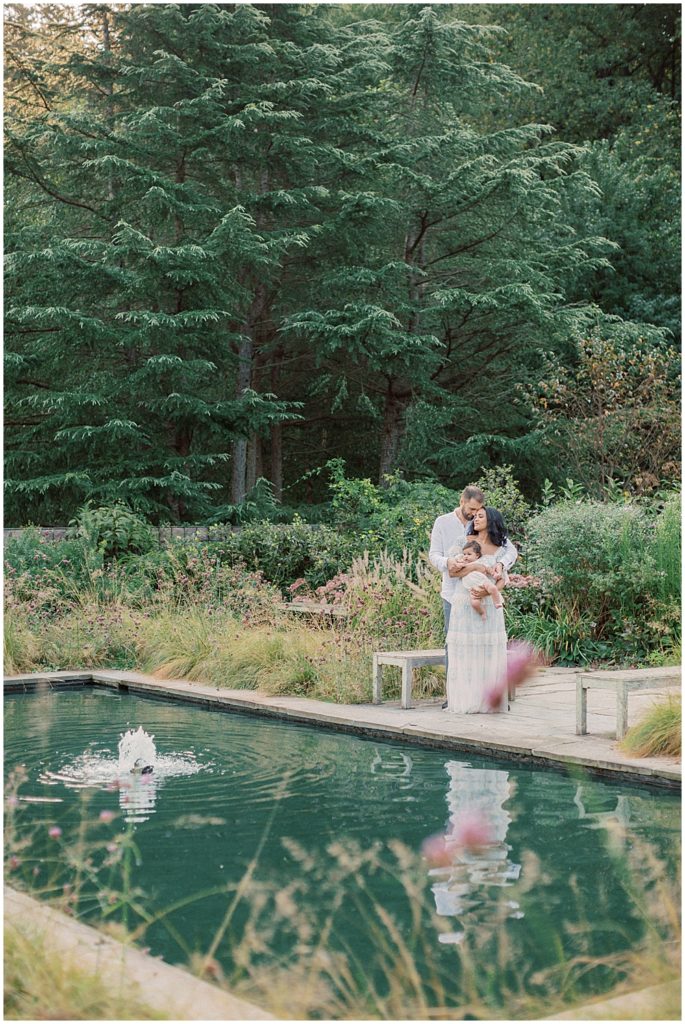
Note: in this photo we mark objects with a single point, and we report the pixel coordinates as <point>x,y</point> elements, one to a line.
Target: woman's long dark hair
<point>497,530</point>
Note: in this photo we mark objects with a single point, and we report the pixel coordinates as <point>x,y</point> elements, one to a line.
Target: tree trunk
<point>276,469</point>
<point>255,462</point>
<point>245,367</point>
<point>393,432</point>
<point>276,475</point>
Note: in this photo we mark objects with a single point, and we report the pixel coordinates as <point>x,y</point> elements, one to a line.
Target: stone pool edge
<point>158,985</point>
<point>338,718</point>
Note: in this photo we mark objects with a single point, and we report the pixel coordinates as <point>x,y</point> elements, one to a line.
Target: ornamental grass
<point>659,733</point>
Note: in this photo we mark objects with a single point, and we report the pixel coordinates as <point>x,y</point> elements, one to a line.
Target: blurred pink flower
<point>436,851</point>
<point>494,694</point>
<point>106,816</point>
<point>471,832</point>
<point>523,662</point>
<point>55,832</point>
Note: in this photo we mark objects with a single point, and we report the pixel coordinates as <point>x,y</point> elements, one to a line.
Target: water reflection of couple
<point>474,624</point>
<point>463,888</point>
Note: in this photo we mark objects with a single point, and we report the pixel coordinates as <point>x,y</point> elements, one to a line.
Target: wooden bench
<point>407,661</point>
<point>621,683</point>
<point>313,608</point>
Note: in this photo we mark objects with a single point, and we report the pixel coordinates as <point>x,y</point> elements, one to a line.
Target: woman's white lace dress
<point>477,652</point>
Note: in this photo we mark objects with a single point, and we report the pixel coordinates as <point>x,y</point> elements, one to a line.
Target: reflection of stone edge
<point>166,989</point>
<point>338,717</point>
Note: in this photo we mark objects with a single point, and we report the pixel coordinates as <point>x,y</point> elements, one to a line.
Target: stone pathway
<point>540,727</point>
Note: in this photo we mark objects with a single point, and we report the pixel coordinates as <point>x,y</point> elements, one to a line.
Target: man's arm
<point>436,555</point>
<point>510,555</point>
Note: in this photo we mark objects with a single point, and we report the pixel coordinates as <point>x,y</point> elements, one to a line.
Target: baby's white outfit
<point>475,579</point>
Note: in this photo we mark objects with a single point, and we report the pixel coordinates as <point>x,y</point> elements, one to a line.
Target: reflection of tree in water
<point>469,887</point>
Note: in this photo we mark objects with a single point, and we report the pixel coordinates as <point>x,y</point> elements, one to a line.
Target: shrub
<point>285,552</point>
<point>35,556</point>
<point>658,733</point>
<point>592,560</point>
<point>503,492</point>
<point>665,548</point>
<point>113,530</point>
<point>404,521</point>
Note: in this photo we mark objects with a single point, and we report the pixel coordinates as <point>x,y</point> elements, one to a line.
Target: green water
<point>568,873</point>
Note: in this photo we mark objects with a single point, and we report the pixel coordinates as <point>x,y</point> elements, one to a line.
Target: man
<point>449,530</point>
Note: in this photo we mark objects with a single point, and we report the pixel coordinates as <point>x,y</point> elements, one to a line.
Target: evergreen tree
<point>463,254</point>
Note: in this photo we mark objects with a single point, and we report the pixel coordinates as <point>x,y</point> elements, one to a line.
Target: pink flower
<point>494,695</point>
<point>436,851</point>
<point>55,832</point>
<point>14,863</point>
<point>106,816</point>
<point>472,831</point>
<point>523,662</point>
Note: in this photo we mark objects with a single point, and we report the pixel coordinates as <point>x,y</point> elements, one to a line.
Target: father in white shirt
<point>449,530</point>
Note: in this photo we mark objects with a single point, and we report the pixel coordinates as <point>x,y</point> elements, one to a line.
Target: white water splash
<point>136,749</point>
<point>137,790</point>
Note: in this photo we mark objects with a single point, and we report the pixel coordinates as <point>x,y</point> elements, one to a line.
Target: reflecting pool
<point>328,828</point>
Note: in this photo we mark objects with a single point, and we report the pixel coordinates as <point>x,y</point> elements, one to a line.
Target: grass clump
<point>658,733</point>
<point>44,984</point>
<point>20,646</point>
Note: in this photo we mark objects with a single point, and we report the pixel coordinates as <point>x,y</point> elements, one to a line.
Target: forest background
<point>244,240</point>
<point>309,270</point>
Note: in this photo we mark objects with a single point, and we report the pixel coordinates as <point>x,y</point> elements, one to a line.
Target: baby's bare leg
<point>494,594</point>
<point>476,605</point>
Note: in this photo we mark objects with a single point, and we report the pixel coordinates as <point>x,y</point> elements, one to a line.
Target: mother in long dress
<point>477,646</point>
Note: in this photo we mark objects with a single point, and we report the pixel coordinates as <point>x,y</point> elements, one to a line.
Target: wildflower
<point>437,851</point>
<point>106,816</point>
<point>13,863</point>
<point>54,832</point>
<point>522,663</point>
<point>472,831</point>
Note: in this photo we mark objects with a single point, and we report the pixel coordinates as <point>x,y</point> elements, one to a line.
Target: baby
<point>469,556</point>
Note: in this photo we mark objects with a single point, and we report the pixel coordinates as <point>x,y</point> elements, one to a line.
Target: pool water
<point>316,818</point>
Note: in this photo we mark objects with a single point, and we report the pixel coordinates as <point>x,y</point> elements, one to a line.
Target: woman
<point>477,646</point>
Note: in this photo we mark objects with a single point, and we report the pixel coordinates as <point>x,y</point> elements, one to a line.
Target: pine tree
<point>131,294</point>
<point>453,275</point>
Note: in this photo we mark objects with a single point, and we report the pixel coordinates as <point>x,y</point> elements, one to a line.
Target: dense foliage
<point>596,582</point>
<point>244,240</point>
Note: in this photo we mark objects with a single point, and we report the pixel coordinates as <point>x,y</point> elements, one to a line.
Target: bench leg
<point>407,679</point>
<point>621,712</point>
<point>377,680</point>
<point>581,707</point>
